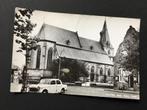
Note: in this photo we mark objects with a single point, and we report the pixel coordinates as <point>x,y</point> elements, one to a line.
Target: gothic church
<point>58,43</point>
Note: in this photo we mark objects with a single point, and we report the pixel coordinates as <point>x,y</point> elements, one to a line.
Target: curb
<point>130,92</point>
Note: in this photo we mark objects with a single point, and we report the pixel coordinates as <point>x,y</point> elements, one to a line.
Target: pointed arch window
<point>109,72</point>
<point>91,47</point>
<point>49,58</point>
<point>38,58</point>
<point>101,71</point>
<point>92,74</point>
<point>92,69</point>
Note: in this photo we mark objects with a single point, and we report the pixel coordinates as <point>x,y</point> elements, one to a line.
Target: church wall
<point>42,70</point>
<point>45,46</point>
<point>95,75</point>
<point>98,75</point>
<point>43,55</point>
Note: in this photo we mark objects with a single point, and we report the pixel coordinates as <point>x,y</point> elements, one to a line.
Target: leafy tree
<point>76,69</point>
<point>127,55</point>
<point>132,59</point>
<point>22,29</point>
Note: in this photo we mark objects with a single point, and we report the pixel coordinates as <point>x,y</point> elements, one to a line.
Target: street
<point>100,92</point>
<point>90,91</point>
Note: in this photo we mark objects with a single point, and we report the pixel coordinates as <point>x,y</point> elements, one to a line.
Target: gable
<point>58,35</point>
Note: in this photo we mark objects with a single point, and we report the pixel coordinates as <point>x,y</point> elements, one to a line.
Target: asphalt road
<point>89,91</point>
<point>100,92</point>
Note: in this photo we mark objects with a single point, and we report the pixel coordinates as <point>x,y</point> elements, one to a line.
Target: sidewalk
<point>101,92</point>
<point>123,91</point>
<point>14,87</point>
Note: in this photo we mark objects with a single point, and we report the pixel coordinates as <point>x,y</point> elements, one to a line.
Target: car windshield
<point>44,81</point>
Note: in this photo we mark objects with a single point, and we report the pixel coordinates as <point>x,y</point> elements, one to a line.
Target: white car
<point>86,84</point>
<point>48,86</point>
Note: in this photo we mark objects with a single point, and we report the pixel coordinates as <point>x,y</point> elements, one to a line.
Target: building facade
<point>56,43</point>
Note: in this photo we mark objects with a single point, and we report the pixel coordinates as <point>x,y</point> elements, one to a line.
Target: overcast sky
<point>87,26</point>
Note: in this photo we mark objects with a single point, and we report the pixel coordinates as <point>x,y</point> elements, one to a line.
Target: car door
<point>52,86</point>
<point>58,86</point>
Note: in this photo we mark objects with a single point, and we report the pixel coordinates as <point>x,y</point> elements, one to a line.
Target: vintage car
<point>47,85</point>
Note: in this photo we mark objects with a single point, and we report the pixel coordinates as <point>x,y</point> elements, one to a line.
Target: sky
<point>87,26</point>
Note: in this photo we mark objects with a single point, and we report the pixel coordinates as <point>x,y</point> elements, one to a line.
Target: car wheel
<point>44,91</point>
<point>62,91</point>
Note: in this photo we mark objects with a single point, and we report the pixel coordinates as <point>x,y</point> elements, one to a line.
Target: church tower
<point>105,41</point>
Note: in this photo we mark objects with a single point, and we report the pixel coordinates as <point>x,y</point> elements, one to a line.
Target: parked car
<point>78,83</point>
<point>86,84</point>
<point>47,85</point>
<point>122,85</point>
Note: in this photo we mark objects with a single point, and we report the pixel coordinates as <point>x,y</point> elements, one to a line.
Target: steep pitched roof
<point>91,45</point>
<point>61,36</point>
<point>58,35</point>
<point>78,47</point>
<point>73,53</point>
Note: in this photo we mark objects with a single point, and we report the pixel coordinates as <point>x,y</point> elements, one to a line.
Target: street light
<point>59,69</point>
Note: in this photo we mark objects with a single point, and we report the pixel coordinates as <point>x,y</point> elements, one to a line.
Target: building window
<point>91,47</point>
<point>97,77</point>
<point>49,58</point>
<point>109,72</point>
<point>92,69</point>
<point>92,74</point>
<point>108,51</point>
<point>67,42</point>
<point>38,58</point>
<point>101,71</point>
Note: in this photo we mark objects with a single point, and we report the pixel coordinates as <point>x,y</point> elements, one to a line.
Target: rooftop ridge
<point>76,40</point>
<point>70,31</point>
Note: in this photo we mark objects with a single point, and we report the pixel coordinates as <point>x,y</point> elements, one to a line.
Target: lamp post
<point>59,69</point>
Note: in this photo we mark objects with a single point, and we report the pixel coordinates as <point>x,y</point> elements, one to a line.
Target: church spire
<point>104,36</point>
<point>105,41</point>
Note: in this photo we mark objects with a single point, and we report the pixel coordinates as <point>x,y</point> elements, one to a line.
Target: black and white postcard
<point>75,54</point>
